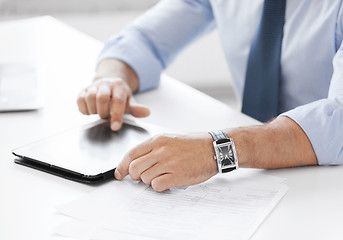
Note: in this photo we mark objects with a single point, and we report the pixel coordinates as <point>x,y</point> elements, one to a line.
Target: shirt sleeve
<point>154,39</point>
<point>322,120</point>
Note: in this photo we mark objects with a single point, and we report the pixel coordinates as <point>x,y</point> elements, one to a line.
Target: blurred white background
<point>202,65</point>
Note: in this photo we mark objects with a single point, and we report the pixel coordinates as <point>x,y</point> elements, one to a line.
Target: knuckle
<point>118,117</point>
<point>131,154</point>
<point>109,81</point>
<point>160,138</point>
<point>90,97</point>
<point>133,171</point>
<point>145,179</point>
<point>134,177</point>
<point>118,83</point>
<point>118,101</point>
<point>133,167</point>
<point>104,115</point>
<point>164,150</point>
<point>102,99</point>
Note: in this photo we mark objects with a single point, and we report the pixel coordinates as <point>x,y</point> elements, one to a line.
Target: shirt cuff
<point>322,123</point>
<point>131,48</point>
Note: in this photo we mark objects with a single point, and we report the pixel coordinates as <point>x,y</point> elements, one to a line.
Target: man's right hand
<point>110,94</point>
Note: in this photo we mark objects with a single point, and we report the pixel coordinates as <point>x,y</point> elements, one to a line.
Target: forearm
<point>169,161</point>
<point>278,144</point>
<point>153,41</point>
<point>115,68</point>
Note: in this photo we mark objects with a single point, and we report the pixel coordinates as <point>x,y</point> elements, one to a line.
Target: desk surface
<point>312,209</point>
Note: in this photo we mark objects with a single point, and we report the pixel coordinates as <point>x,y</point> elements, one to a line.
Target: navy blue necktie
<point>261,90</point>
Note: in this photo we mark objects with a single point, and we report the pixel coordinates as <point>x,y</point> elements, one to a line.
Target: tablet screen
<point>89,150</point>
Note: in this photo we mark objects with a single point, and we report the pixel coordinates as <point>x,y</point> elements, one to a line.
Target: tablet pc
<point>87,154</point>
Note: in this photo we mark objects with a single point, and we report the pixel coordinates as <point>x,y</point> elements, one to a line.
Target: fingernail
<point>117,174</point>
<point>115,125</point>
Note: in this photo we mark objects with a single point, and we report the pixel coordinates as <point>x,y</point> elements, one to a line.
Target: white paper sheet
<point>224,207</point>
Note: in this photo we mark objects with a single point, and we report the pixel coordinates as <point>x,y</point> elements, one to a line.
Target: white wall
<point>8,7</point>
<point>202,65</point>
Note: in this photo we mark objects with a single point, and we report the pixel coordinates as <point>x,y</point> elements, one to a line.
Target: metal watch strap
<point>218,134</point>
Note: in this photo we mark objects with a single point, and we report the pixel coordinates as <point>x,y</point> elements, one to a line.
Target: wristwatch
<point>225,150</point>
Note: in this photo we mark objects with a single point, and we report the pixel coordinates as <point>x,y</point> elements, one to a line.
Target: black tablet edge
<point>62,172</point>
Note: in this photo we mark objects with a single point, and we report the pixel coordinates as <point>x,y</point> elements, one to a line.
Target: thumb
<point>123,167</point>
<point>138,110</point>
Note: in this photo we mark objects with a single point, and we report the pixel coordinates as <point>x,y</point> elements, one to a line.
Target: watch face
<point>226,156</point>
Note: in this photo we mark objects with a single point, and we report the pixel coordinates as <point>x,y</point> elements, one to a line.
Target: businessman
<point>286,60</point>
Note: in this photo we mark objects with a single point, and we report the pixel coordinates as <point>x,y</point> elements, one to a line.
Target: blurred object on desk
<point>20,77</point>
<point>19,87</point>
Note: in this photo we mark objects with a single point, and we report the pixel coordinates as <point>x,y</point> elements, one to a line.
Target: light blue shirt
<point>311,91</point>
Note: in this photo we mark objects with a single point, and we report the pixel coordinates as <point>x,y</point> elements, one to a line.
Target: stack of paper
<point>225,207</point>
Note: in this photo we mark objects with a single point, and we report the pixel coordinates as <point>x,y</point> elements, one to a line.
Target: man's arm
<point>152,41</point>
<point>322,120</point>
<point>133,60</point>
<point>278,144</point>
<point>308,135</point>
<point>181,160</point>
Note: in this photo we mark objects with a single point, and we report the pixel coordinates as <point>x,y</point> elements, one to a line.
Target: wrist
<point>278,144</point>
<point>212,153</point>
<point>248,140</point>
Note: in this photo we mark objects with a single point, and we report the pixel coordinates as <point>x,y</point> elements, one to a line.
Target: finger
<point>118,105</point>
<point>140,165</point>
<point>103,98</point>
<point>152,172</point>
<point>137,110</point>
<point>81,102</point>
<point>163,182</point>
<point>139,151</point>
<point>90,99</point>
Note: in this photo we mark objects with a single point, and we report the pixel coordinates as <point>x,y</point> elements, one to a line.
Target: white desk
<point>312,209</point>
